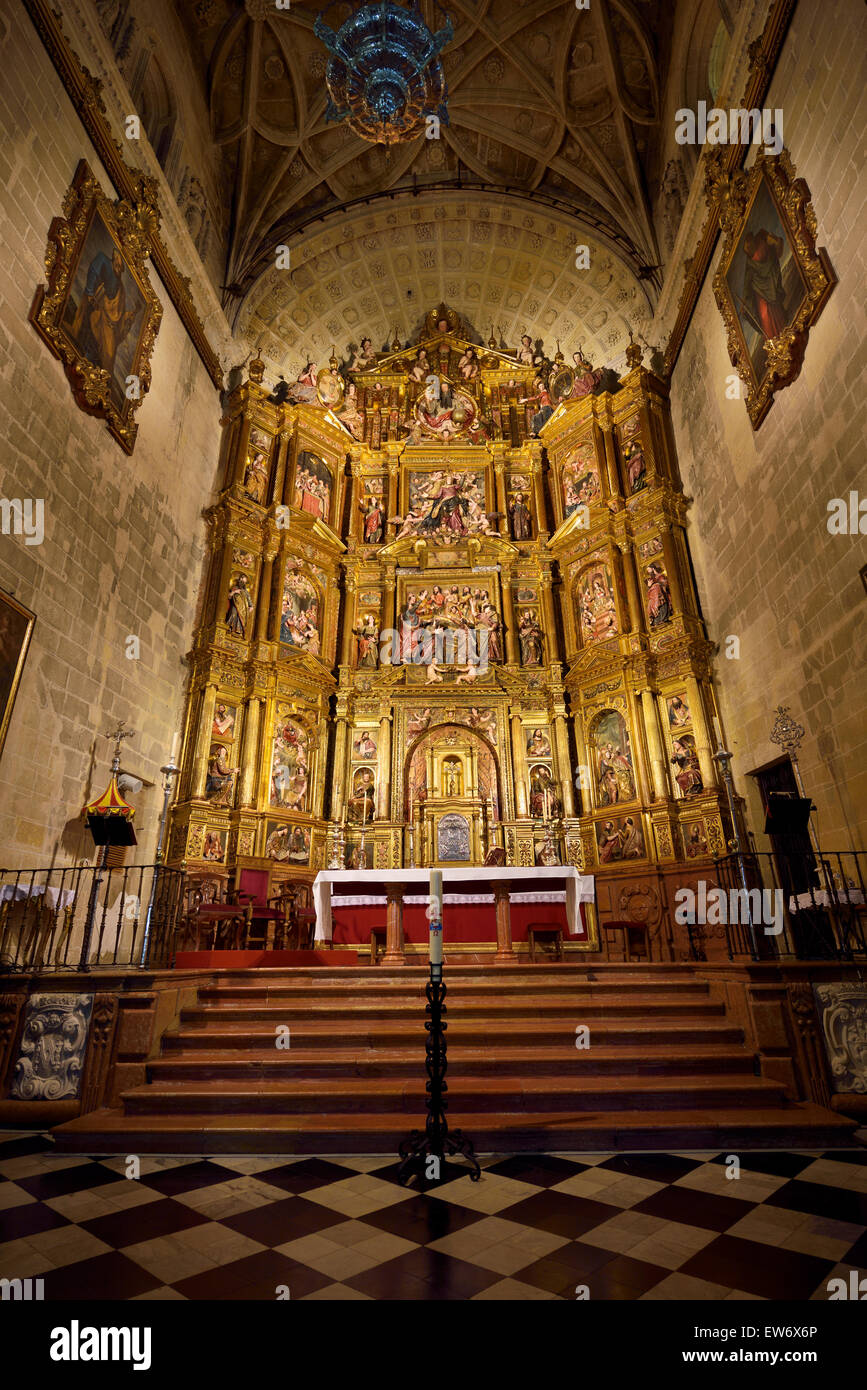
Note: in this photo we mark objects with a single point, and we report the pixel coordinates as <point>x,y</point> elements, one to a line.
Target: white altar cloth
<point>17,892</point>
<point>559,883</point>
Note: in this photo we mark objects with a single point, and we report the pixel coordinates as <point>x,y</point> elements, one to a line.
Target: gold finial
<point>256,370</point>
<point>332,361</point>
<point>633,353</point>
<point>492,342</point>
<point>395,342</point>
<point>558,355</point>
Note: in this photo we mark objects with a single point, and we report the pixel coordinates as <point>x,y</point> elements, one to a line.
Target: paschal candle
<point>435,912</point>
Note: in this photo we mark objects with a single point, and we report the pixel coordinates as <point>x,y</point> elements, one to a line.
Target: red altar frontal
<point>465,920</point>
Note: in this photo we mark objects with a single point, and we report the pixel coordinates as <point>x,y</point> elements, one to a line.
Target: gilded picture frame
<point>772,282</point>
<point>16,629</point>
<point>99,313</point>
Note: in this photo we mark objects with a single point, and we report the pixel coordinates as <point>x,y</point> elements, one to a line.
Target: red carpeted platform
<point>251,960</point>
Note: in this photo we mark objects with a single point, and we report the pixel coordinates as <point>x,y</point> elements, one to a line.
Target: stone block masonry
<point>124,539</point>
<point>767,569</point>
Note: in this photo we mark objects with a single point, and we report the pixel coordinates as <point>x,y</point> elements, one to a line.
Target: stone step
<point>731,1128</point>
<point>309,1062</point>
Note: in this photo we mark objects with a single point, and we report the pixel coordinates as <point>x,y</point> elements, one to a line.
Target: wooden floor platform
<point>666,1067</point>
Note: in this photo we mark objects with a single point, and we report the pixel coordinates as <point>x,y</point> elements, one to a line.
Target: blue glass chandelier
<point>384,76</point>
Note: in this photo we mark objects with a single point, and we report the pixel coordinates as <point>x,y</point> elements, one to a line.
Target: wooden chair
<point>300,915</point>
<point>211,918</point>
<point>629,930</point>
<point>544,930</point>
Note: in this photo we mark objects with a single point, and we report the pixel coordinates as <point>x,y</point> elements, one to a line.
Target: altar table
<point>474,900</point>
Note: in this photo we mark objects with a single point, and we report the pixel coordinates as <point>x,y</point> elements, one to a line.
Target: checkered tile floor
<point>628,1226</point>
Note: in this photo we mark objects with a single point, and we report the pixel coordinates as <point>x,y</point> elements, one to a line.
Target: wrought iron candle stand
<point>438,1141</point>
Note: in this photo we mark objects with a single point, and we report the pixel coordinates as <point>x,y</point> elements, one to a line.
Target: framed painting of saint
<point>772,283</point>
<point>313,484</point>
<point>16,629</point>
<point>98,313</point>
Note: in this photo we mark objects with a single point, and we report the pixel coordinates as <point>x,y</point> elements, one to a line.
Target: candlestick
<point>717,732</point>
<point>435,914</point>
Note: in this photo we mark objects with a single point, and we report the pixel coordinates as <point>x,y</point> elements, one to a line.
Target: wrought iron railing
<point>87,917</point>
<point>810,907</point>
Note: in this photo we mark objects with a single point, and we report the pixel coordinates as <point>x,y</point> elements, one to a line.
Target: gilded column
<point>550,618</point>
<point>611,463</point>
<point>339,776</point>
<point>383,765</point>
<point>661,786</point>
<point>225,576</point>
<point>644,778</point>
<point>567,611</point>
<point>701,731</point>
<point>250,751</point>
<point>283,453</point>
<point>583,763</point>
<point>518,762</point>
<point>561,738</point>
<point>632,596</point>
<point>673,572</point>
<point>264,604</point>
<point>240,460</point>
<point>539,496</point>
<point>203,739</point>
<point>275,614</point>
<point>389,617</point>
<point>267,721</point>
<point>346,649</point>
<point>512,654</point>
<point>291,455</point>
<point>500,490</point>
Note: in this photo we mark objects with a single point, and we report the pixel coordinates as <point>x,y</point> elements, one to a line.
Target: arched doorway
<point>452,795</point>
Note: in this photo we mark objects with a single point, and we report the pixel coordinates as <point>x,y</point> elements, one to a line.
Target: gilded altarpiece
<point>439,620</point>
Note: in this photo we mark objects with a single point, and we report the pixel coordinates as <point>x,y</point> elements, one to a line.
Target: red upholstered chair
<point>264,916</point>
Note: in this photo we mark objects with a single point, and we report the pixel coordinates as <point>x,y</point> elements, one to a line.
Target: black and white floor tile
<point>537,1226</point>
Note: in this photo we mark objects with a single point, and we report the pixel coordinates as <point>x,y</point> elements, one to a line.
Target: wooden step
<point>370,1095</point>
<point>387,988</point>
<point>666,1066</point>
<point>226,1065</point>
<point>792,1126</point>
<point>353,1010</point>
<point>481,1032</point>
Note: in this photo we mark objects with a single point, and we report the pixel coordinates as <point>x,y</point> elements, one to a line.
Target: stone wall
<point>768,571</point>
<point>124,538</point>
